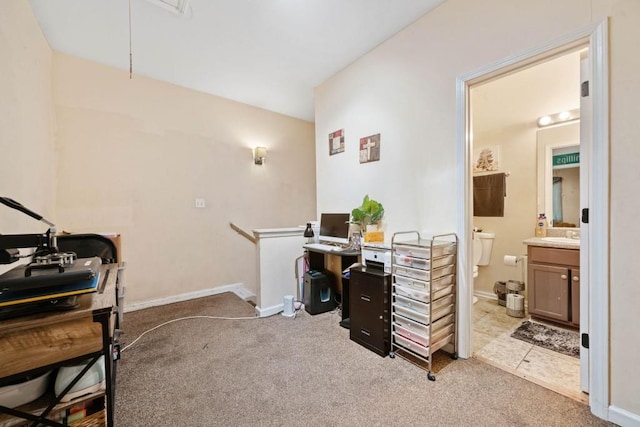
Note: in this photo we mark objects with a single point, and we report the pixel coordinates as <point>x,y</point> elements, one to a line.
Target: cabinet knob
<point>563,276</point>
<point>576,278</point>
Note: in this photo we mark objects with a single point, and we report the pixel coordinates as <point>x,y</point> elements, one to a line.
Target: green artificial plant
<point>369,213</point>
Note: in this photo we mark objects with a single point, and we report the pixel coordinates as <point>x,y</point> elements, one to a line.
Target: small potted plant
<point>368,217</point>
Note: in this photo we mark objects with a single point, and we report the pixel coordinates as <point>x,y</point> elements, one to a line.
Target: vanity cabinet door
<point>575,296</point>
<point>549,291</point>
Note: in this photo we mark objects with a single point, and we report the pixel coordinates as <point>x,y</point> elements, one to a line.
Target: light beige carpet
<point>307,372</point>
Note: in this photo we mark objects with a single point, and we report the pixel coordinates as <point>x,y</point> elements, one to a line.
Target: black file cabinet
<point>370,309</point>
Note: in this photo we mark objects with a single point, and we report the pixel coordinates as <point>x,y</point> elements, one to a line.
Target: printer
<point>377,255</point>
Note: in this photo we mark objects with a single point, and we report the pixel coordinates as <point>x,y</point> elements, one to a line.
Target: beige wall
<point>134,154</point>
<point>26,120</point>
<point>406,90</point>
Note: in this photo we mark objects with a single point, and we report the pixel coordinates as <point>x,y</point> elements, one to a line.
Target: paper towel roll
<point>515,302</point>
<point>511,260</point>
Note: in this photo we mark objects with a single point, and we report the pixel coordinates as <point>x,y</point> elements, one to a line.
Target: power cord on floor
<point>188,318</point>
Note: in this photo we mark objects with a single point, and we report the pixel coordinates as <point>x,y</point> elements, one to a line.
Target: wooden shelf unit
<point>35,344</point>
<point>335,262</point>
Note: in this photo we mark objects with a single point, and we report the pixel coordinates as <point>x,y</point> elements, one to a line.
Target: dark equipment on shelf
<point>53,278</point>
<point>89,245</point>
<point>45,244</point>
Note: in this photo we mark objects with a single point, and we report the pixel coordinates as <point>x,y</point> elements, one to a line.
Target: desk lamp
<point>308,232</point>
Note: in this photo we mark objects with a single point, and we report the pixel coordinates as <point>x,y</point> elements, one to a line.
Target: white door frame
<point>595,37</point>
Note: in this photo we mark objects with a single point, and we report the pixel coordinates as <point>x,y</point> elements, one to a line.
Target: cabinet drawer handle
<point>365,332</point>
<point>576,278</point>
<point>366,298</point>
<point>563,276</point>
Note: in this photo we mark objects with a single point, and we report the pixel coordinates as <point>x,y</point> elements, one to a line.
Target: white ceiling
<point>266,53</point>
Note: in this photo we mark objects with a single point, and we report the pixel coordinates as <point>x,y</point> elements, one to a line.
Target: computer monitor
<point>334,228</point>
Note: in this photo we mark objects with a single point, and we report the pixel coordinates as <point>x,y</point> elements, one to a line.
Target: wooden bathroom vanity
<point>553,278</point>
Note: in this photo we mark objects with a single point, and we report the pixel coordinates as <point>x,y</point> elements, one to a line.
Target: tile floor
<point>493,344</point>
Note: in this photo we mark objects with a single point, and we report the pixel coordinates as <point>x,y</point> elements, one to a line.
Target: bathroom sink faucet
<point>573,234</point>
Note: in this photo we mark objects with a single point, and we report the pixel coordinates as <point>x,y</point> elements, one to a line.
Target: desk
<point>32,345</point>
<point>336,262</point>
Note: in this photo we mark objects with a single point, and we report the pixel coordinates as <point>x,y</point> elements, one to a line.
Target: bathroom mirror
<point>558,172</point>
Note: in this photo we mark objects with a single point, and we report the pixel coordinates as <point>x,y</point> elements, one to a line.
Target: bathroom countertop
<point>565,243</point>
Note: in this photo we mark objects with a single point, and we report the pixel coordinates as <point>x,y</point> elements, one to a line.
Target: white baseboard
<point>622,417</point>
<point>493,296</point>
<point>269,311</point>
<point>237,288</point>
<point>487,295</point>
<point>243,292</point>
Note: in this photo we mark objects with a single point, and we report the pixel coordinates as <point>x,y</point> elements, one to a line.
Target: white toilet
<point>482,245</point>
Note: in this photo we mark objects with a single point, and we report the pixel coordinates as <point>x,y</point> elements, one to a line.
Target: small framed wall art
<point>370,148</point>
<point>336,142</point>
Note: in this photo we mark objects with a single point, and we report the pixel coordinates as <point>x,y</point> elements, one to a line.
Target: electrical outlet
<point>200,203</point>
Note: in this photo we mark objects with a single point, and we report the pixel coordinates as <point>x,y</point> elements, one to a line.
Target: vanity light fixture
<point>544,121</point>
<point>259,155</point>
<point>563,116</point>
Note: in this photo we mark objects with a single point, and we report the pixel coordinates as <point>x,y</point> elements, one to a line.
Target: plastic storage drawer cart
<point>423,297</point>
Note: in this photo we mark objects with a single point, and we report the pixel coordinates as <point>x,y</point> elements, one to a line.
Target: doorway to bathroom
<point>512,128</point>
<point>519,161</point>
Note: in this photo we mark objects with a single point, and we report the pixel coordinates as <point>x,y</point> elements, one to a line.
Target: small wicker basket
<point>98,419</point>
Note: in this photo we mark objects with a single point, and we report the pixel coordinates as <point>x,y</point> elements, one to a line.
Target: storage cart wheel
<point>392,355</point>
<point>454,356</point>
<point>431,376</point>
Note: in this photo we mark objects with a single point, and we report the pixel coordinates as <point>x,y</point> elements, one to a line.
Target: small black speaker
<point>317,293</point>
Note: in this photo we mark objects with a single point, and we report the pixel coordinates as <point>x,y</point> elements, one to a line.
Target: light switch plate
<point>200,203</point>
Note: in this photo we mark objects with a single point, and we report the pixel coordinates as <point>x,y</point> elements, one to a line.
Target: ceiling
<point>266,53</point>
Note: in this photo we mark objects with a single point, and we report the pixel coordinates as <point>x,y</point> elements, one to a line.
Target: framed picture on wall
<point>336,142</point>
<point>370,148</point>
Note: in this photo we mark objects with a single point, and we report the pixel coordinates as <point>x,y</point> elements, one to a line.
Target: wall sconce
<point>259,155</point>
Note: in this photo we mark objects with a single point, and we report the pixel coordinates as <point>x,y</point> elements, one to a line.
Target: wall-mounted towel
<point>489,192</point>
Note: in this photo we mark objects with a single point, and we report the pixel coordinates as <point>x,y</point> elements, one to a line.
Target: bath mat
<point>559,340</point>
